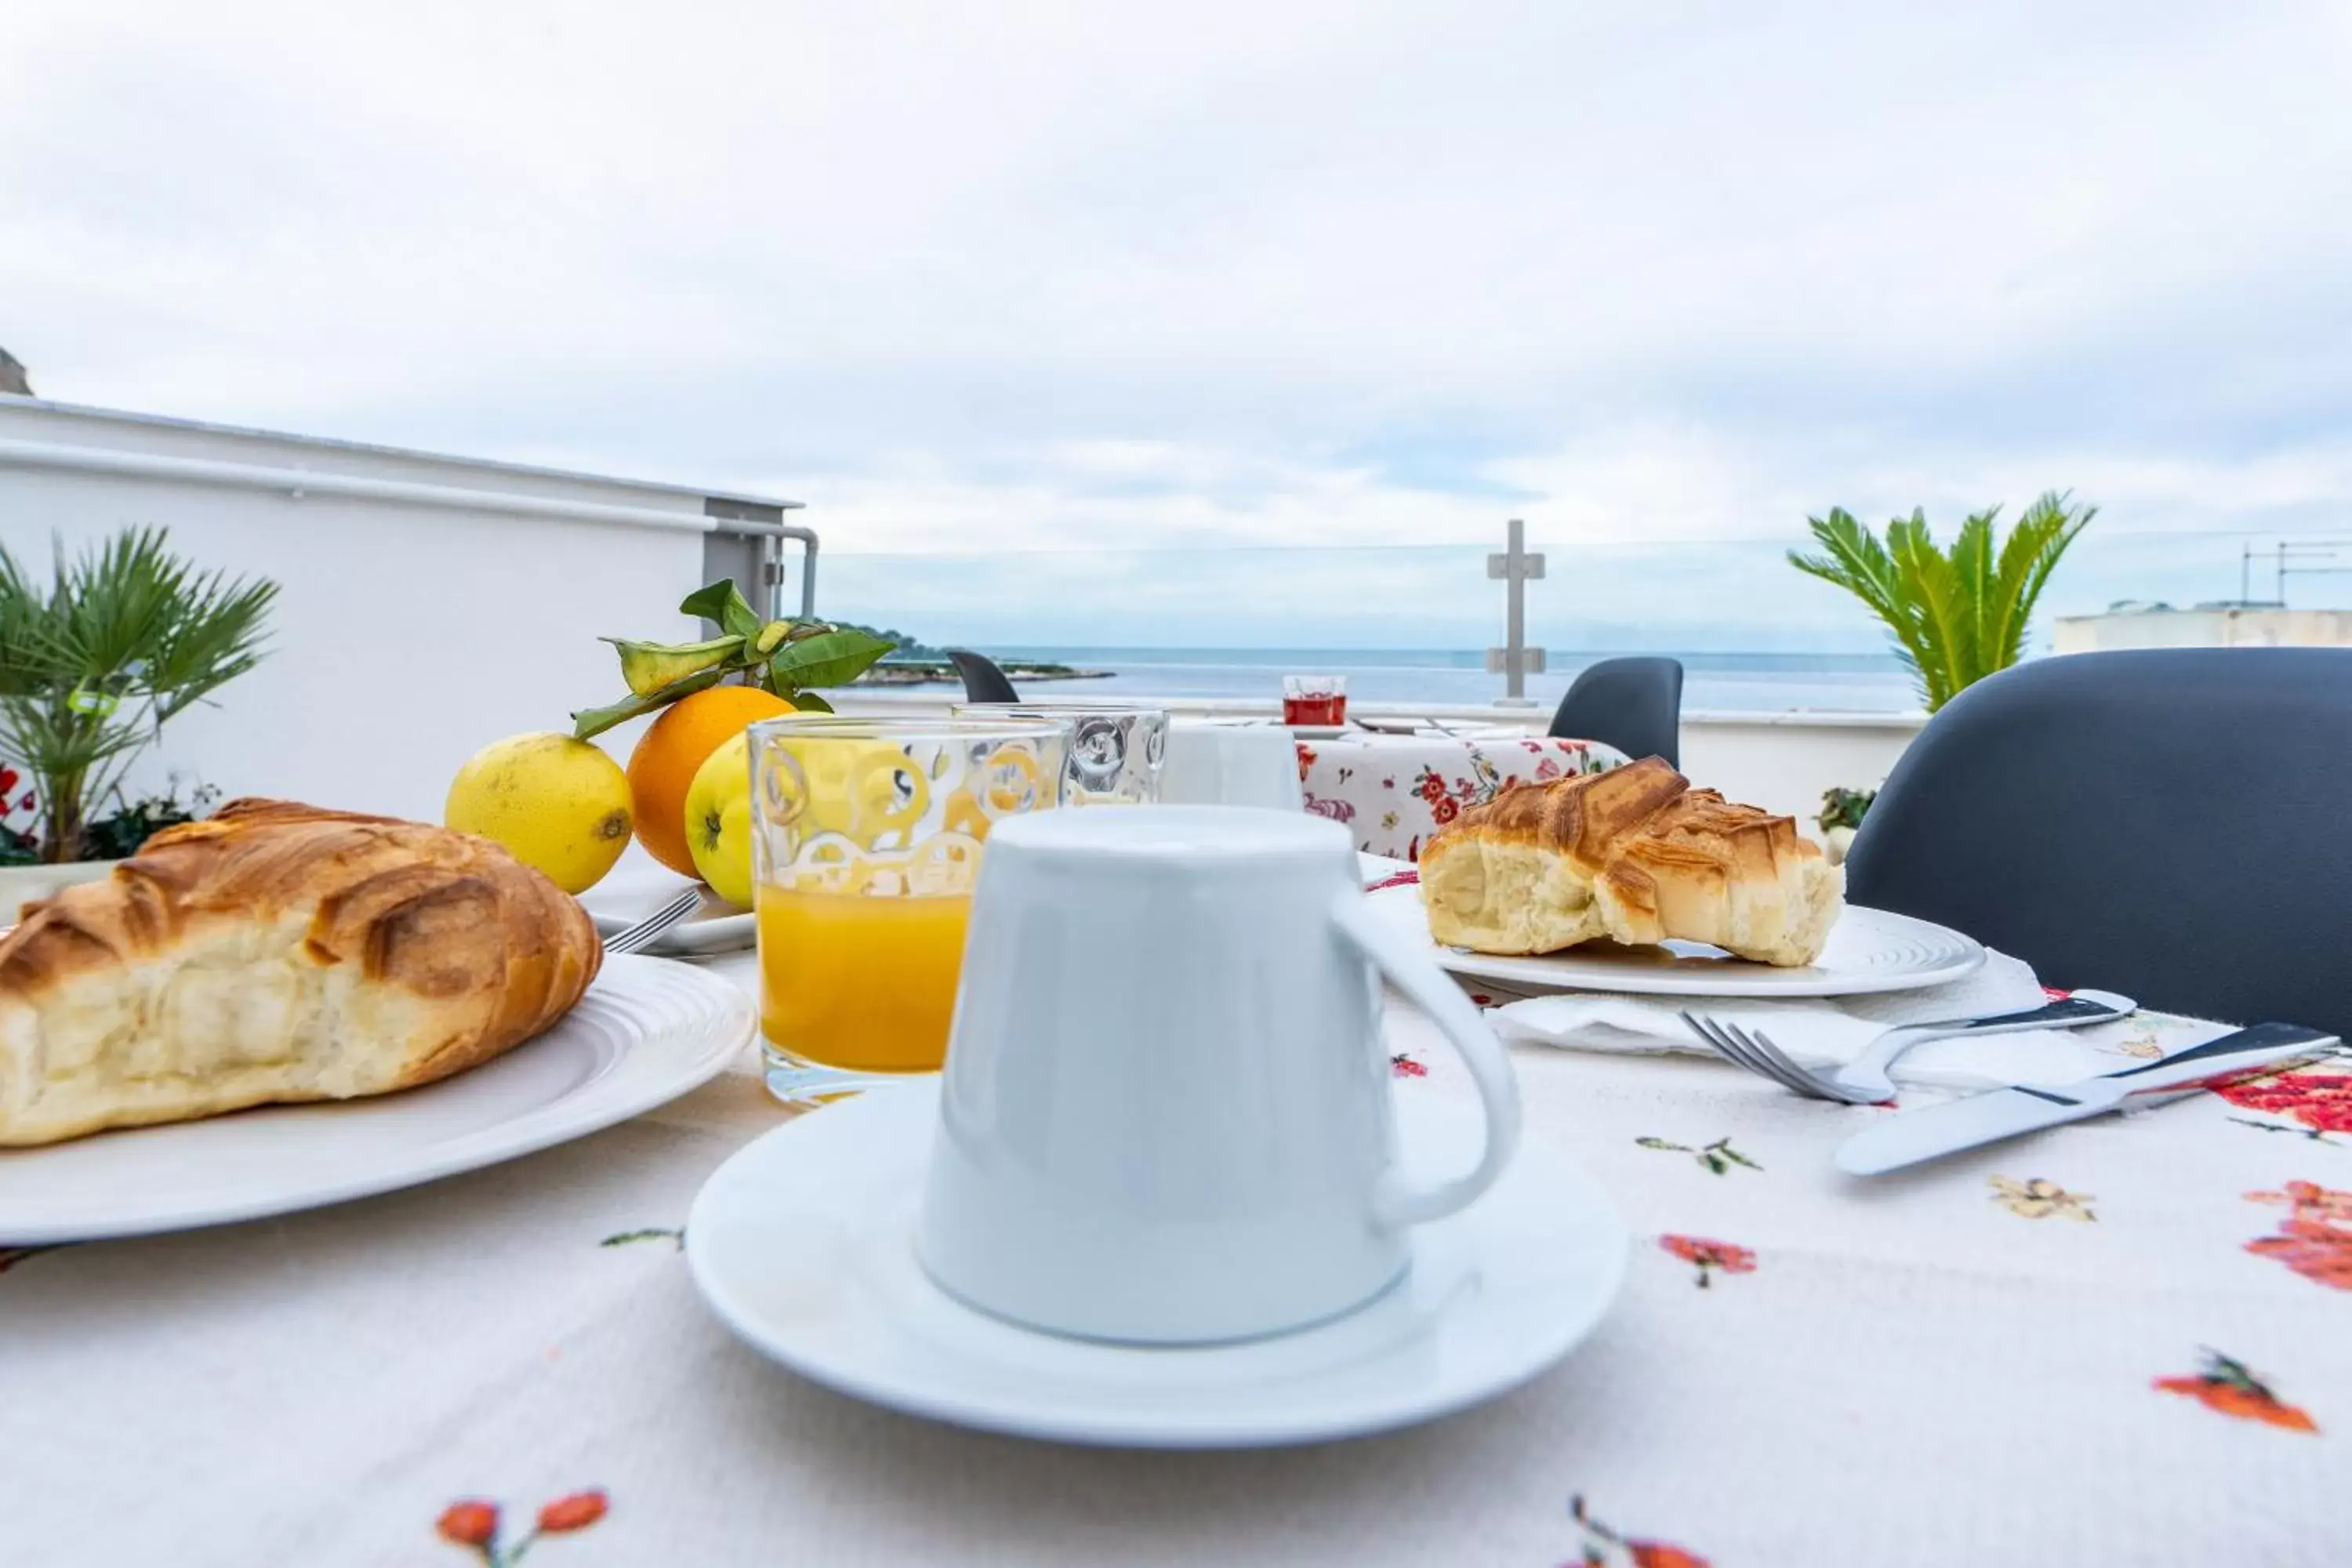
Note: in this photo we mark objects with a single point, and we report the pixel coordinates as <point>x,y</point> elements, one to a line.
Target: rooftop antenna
<point>2322,552</point>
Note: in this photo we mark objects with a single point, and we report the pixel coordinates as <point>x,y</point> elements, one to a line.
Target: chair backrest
<point>2170,823</point>
<point>982,681</point>
<point>1633,704</point>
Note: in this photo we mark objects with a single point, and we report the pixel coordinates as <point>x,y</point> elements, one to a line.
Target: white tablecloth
<point>2011,1357</point>
<point>1393,791</point>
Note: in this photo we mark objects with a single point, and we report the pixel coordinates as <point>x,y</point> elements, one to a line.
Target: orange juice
<point>853,980</point>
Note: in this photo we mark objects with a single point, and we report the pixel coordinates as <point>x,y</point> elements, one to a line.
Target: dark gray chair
<point>1633,704</point>
<point>2171,824</point>
<point>982,681</point>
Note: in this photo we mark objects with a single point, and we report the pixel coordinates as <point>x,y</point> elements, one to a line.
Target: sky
<point>1054,296</point>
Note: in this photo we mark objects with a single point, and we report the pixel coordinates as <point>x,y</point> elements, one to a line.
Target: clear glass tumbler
<point>867,836</point>
<point>1116,754</point>
<point>1315,699</point>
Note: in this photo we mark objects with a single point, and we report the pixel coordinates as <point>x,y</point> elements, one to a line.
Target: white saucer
<point>802,1243</point>
<point>1869,950</point>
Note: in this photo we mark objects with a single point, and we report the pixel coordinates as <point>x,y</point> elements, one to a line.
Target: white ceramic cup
<point>1166,1112</point>
<point>1209,763</point>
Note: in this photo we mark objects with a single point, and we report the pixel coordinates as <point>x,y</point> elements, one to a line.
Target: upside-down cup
<point>1166,1114</point>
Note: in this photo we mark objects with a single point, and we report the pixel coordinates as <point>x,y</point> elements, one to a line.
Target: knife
<point>1916,1135</point>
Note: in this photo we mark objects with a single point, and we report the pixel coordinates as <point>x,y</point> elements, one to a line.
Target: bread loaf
<point>1634,856</point>
<point>277,953</point>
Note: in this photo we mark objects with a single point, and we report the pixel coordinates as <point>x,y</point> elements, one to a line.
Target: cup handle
<point>1408,967</point>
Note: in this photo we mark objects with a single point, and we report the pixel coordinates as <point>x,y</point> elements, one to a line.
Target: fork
<point>1863,1081</point>
<point>653,924</point>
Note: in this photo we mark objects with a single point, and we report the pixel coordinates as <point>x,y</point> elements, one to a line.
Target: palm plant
<point>1956,615</point>
<point>123,637</point>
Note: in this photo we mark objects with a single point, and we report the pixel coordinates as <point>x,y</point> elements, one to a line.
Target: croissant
<point>277,953</point>
<point>1636,855</point>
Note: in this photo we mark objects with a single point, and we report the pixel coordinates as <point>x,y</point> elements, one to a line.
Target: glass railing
<point>1413,623</point>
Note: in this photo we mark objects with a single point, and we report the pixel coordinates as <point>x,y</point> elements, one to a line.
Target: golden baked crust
<point>277,953</point>
<point>1636,855</point>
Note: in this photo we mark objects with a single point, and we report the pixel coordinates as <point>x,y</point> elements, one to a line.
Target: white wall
<point>1784,764</point>
<point>406,635</point>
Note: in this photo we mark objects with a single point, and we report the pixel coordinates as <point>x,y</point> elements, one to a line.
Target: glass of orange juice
<point>867,838</point>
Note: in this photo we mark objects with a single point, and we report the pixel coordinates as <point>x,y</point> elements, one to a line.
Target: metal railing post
<point>1515,660</point>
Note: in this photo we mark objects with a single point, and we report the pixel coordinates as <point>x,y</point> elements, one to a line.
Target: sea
<point>1733,683</point>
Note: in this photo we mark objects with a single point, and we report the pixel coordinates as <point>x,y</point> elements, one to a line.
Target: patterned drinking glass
<point>1315,699</point>
<point>867,834</point>
<point>1115,750</point>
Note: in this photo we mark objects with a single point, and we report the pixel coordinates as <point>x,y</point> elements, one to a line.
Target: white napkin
<point>1826,1032</point>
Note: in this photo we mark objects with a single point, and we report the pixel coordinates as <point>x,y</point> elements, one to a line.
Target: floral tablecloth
<point>2125,1342</point>
<point>1393,791</point>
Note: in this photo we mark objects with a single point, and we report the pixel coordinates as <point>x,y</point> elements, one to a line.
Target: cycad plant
<point>1956,615</point>
<point>95,661</point>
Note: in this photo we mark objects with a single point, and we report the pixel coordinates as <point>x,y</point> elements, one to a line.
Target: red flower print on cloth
<point>577,1511</point>
<point>1708,1256</point>
<point>1547,769</point>
<point>474,1522</point>
<point>1402,1064</point>
<point>1305,760</point>
<point>2229,1387</point>
<point>1602,1547</point>
<point>1337,810</point>
<point>469,1523</point>
<point>1401,879</point>
<point>2320,1100</point>
<point>1443,810</point>
<point>2316,1238</point>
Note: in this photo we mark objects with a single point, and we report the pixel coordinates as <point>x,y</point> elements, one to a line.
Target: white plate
<point>1868,950</point>
<point>646,1033</point>
<point>802,1243</point>
<point>718,927</point>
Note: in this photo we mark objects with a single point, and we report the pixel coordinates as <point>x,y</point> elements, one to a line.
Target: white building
<point>2230,624</point>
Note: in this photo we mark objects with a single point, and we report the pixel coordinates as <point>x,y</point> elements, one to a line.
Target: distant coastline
<point>926,672</point>
<point>1745,682</point>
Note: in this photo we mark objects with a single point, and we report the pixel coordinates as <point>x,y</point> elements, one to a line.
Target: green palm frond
<point>1856,562</point>
<point>1955,615</point>
<point>93,662</point>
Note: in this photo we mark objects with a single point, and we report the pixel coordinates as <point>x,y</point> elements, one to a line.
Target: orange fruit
<point>662,768</point>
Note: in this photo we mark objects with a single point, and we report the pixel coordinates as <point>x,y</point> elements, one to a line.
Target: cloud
<point>1042,277</point>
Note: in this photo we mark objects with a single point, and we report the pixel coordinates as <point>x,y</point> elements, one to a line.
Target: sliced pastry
<point>1633,855</point>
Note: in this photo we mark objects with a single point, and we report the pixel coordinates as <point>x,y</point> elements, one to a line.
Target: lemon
<point>559,806</point>
<point>861,791</point>
<point>718,820</point>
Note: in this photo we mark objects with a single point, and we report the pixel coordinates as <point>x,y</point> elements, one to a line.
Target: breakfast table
<point>2122,1341</point>
<point>1393,791</point>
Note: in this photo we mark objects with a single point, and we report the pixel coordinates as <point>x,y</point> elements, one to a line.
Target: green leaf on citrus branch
<point>589,723</point>
<point>830,659</point>
<point>724,603</point>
